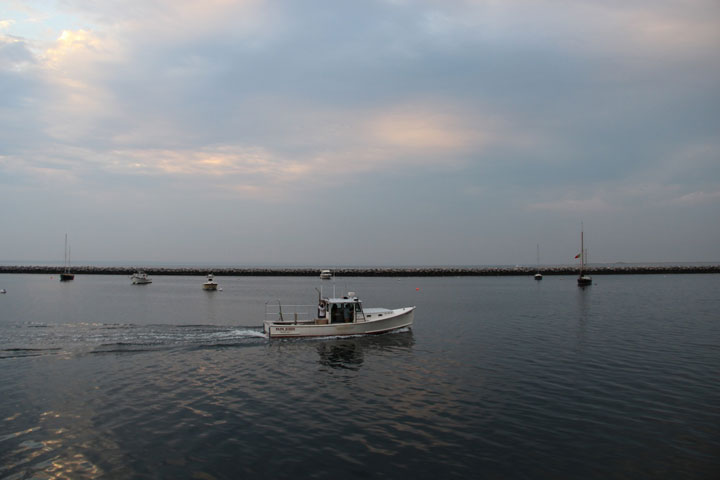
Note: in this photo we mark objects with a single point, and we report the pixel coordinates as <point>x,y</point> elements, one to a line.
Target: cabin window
<point>336,314</point>
<point>342,313</point>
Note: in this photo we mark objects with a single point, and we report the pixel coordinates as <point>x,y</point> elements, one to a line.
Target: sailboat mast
<point>65,253</point>
<point>582,252</point>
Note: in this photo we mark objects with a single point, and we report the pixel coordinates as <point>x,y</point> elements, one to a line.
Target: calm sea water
<point>499,378</point>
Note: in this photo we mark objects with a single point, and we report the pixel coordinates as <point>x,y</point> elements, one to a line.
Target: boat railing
<point>289,313</point>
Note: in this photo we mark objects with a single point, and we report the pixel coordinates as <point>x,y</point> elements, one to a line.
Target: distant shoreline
<point>371,271</point>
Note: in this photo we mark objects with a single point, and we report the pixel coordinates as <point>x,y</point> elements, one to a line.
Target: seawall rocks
<point>372,271</point>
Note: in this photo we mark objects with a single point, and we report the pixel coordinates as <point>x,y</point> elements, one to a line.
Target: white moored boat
<point>211,284</point>
<point>325,274</point>
<point>140,278</point>
<point>333,317</point>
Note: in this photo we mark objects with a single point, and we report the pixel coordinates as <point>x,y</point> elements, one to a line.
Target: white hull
<point>140,278</point>
<point>211,284</point>
<point>376,321</point>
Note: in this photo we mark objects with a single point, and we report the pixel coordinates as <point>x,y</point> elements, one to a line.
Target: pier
<point>372,271</point>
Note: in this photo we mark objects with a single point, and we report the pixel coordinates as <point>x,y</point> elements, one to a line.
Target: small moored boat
<point>334,317</point>
<point>325,274</point>
<point>210,284</point>
<point>140,278</point>
<point>66,276</point>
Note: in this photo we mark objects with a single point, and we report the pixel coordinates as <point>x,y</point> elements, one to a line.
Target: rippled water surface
<point>499,378</point>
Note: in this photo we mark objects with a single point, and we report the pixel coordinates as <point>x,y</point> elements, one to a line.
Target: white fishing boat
<point>325,274</point>
<point>331,317</point>
<point>584,279</point>
<point>140,278</point>
<point>211,284</point>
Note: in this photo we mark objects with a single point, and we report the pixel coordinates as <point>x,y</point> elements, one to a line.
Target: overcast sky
<point>387,132</point>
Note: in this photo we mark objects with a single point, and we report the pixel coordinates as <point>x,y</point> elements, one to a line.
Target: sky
<point>346,132</point>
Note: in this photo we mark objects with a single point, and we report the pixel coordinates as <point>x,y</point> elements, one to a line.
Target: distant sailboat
<point>538,275</point>
<point>66,274</point>
<point>583,279</point>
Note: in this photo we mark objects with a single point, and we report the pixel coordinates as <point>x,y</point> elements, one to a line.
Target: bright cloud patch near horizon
<point>489,126</point>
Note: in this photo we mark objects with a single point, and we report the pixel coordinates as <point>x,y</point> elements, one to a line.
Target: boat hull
<point>210,286</point>
<point>384,322</point>
<point>584,281</point>
<point>64,277</point>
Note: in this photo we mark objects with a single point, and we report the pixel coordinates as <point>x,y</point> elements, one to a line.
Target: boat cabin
<point>341,310</point>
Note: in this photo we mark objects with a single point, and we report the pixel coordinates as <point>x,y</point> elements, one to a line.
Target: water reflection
<point>583,312</point>
<point>349,353</point>
<point>53,448</point>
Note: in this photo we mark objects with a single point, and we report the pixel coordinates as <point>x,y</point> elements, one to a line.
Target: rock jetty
<point>373,271</point>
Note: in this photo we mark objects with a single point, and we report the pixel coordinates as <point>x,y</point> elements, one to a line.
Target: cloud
<point>654,27</point>
<point>420,131</point>
<point>698,198</point>
<point>577,204</point>
<point>625,197</point>
<point>164,21</point>
<point>663,28</point>
<point>75,48</point>
<point>14,54</point>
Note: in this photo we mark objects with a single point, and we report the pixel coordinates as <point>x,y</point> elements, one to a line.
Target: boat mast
<point>582,250</point>
<point>65,261</point>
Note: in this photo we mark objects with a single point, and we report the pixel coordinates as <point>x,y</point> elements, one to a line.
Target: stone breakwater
<point>372,271</point>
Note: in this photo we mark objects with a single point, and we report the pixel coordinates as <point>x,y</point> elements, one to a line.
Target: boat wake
<point>161,337</point>
<point>98,338</point>
<point>27,352</point>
